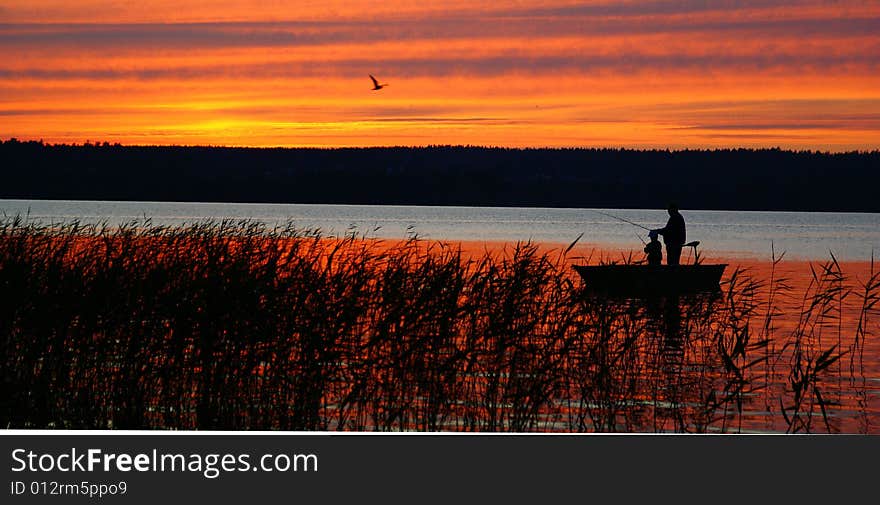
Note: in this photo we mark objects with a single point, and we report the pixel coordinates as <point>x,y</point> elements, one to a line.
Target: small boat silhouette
<point>650,280</point>
<point>641,280</point>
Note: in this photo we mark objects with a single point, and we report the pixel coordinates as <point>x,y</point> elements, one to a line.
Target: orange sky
<point>646,73</point>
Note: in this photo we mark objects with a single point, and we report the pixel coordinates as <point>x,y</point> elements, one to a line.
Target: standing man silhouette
<point>673,235</point>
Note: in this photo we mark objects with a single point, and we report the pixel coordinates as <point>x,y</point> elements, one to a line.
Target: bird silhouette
<point>376,85</point>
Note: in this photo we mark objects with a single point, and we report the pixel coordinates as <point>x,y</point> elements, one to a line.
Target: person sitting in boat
<point>654,250</point>
<point>673,234</point>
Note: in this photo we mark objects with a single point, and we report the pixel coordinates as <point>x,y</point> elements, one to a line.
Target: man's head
<point>672,208</point>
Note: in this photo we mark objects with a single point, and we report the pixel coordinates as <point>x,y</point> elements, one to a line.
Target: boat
<point>651,280</point>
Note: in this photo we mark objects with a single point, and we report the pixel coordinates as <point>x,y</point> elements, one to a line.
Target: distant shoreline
<point>716,179</point>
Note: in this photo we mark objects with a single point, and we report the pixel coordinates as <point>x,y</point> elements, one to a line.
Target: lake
<point>727,234</point>
<point>655,379</point>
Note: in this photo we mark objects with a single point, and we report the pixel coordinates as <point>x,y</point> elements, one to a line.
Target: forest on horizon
<point>717,179</point>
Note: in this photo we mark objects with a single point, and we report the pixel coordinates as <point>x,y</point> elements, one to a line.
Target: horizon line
<point>104,143</point>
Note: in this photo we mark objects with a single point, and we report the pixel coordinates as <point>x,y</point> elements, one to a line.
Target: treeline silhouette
<point>723,179</point>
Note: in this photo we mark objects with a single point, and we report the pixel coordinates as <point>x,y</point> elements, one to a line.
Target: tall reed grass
<point>233,325</point>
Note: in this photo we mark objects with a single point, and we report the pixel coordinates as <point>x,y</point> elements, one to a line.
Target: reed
<point>235,325</point>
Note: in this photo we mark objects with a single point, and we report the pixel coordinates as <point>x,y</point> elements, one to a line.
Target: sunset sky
<point>638,73</point>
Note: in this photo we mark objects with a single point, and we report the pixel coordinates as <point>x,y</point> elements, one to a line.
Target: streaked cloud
<point>647,73</point>
<point>295,34</point>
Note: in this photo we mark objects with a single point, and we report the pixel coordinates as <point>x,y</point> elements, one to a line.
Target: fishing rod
<point>621,219</point>
<point>641,239</point>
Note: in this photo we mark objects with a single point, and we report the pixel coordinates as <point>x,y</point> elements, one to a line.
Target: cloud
<point>492,65</point>
<point>190,36</point>
<point>787,126</point>
<point>455,120</point>
<point>661,7</point>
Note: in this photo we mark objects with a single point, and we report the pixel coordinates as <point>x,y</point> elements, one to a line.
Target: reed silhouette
<point>233,325</point>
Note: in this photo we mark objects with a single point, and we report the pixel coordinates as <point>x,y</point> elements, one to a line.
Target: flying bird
<point>376,85</point>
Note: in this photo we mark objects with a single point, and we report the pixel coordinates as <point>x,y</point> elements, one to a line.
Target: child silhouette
<point>654,250</point>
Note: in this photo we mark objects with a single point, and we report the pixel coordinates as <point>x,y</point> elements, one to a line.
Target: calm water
<point>802,235</point>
